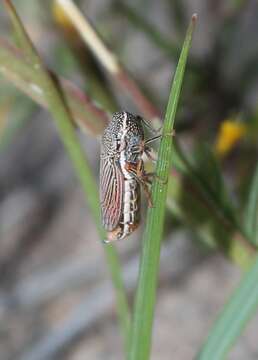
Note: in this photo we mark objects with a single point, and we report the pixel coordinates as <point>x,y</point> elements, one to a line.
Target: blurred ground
<point>56,300</point>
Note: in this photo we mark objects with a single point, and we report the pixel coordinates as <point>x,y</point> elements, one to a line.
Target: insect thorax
<point>124,132</point>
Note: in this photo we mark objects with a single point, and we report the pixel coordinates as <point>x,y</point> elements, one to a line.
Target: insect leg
<point>143,178</point>
<point>138,172</point>
<point>154,138</point>
<point>154,131</point>
<point>150,155</point>
<point>148,177</point>
<point>148,125</point>
<point>148,150</point>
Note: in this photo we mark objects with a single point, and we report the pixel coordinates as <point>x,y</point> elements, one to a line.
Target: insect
<point>121,174</point>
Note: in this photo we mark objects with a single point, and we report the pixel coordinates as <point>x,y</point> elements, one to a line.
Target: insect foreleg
<point>148,125</point>
<point>154,138</point>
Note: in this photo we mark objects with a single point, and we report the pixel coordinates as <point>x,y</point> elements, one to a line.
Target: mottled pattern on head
<point>135,129</point>
<point>122,125</point>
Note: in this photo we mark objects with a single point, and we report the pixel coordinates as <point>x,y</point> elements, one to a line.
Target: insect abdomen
<point>130,217</point>
<point>131,213</point>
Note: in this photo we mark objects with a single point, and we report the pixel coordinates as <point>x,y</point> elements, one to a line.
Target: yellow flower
<point>229,134</point>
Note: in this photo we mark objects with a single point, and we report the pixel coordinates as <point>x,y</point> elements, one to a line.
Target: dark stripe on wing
<point>111,193</point>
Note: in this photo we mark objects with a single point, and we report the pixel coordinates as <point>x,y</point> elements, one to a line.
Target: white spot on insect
<point>124,123</point>
<point>36,89</point>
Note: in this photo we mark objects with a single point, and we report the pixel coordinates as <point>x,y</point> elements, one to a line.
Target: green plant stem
<point>240,308</point>
<point>251,211</point>
<point>63,119</point>
<point>149,265</point>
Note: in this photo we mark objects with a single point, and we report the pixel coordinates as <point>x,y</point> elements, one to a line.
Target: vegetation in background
<point>196,194</point>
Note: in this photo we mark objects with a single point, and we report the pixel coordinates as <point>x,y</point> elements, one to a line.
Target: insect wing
<point>111,193</point>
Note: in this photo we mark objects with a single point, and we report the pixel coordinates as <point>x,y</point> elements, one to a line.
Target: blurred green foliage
<point>215,194</point>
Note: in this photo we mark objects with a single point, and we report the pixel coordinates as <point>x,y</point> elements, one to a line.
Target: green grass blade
<point>233,319</point>
<point>23,40</point>
<point>63,120</point>
<point>251,212</point>
<point>149,265</point>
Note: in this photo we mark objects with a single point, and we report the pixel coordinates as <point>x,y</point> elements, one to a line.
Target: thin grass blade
<point>240,308</point>
<point>149,265</point>
<point>22,38</point>
<point>251,212</point>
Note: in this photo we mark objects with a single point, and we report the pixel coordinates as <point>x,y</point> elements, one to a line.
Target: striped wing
<point>111,193</point>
